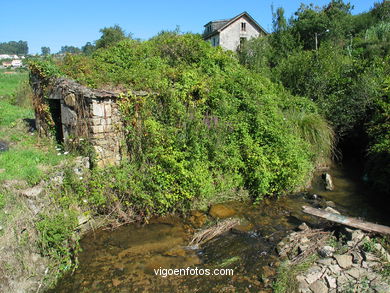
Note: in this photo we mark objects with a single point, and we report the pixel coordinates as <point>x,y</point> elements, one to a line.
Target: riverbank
<point>336,259</point>
<point>32,170</point>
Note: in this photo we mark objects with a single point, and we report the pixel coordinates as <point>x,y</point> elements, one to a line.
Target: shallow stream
<point>125,260</point>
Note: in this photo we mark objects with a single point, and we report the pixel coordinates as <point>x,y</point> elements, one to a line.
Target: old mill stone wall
<point>79,115</point>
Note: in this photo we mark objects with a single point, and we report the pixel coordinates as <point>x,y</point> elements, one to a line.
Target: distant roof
<point>219,25</point>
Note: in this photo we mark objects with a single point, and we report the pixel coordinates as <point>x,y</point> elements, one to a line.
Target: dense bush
<point>207,129</point>
<point>378,130</point>
<point>56,238</point>
<point>339,61</point>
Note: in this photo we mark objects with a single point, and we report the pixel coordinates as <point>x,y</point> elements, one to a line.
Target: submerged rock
<point>197,219</point>
<point>221,211</point>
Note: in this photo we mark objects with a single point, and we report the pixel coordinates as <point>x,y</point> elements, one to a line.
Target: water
<point>125,260</point>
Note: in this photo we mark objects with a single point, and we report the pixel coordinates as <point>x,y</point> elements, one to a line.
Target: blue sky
<point>59,23</point>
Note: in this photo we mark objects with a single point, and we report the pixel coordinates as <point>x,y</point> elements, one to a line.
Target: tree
<point>111,36</point>
<point>45,51</point>
<point>88,48</point>
<point>13,47</point>
<point>69,49</point>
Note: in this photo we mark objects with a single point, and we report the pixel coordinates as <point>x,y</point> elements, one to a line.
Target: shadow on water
<point>125,260</point>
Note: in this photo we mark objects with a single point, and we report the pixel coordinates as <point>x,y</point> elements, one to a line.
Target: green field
<point>29,157</point>
<point>10,82</point>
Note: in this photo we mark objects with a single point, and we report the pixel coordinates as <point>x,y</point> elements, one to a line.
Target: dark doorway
<point>55,110</point>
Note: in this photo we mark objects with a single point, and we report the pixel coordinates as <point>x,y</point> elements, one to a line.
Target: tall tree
<point>69,49</point>
<point>45,51</point>
<point>88,48</point>
<point>111,36</point>
<point>13,47</point>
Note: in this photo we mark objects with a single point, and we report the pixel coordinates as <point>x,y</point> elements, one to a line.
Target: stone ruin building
<point>76,114</point>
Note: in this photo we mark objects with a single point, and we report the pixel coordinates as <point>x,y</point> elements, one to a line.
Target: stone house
<point>75,114</point>
<point>231,33</point>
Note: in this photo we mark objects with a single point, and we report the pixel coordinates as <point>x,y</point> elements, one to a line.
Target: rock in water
<point>328,181</point>
<point>3,146</point>
<point>221,211</point>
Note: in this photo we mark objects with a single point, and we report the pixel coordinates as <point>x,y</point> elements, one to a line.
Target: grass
<point>28,156</point>
<point>10,82</point>
<point>286,276</point>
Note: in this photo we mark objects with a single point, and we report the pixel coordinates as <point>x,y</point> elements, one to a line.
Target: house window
<point>243,26</point>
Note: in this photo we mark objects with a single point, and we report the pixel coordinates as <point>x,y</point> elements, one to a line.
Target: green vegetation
<point>340,61</point>
<point>10,82</point>
<point>29,155</point>
<point>57,239</point>
<point>13,47</point>
<point>207,128</point>
<point>286,275</point>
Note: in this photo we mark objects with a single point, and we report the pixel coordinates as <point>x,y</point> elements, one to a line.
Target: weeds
<point>286,275</point>
<point>57,238</point>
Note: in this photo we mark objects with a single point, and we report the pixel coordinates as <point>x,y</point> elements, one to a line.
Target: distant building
<point>8,56</point>
<point>231,33</point>
<point>16,63</point>
<point>5,56</point>
<point>7,64</point>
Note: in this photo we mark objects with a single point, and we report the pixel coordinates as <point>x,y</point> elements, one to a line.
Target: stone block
<point>107,128</point>
<point>98,109</point>
<point>107,111</point>
<point>68,116</point>
<point>96,121</point>
<point>97,129</point>
<point>70,100</point>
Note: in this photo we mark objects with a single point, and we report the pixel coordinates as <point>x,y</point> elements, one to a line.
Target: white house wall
<point>230,36</point>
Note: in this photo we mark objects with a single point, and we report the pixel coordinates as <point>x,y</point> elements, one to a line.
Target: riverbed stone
<point>178,251</point>
<point>332,210</point>
<point>221,211</point>
<point>303,227</point>
<point>319,287</point>
<point>325,262</point>
<point>344,260</point>
<point>243,228</point>
<point>302,284</point>
<point>341,281</point>
<point>354,272</point>
<point>197,219</point>
<point>268,272</point>
<point>331,281</point>
<point>380,286</point>
<point>328,181</point>
<point>335,269</point>
<point>311,278</point>
<point>356,257</point>
<point>331,204</point>
<point>326,251</point>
